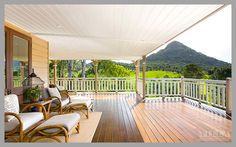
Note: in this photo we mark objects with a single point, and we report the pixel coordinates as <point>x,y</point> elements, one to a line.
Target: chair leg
<point>21,139</point>
<point>60,110</point>
<point>67,138</point>
<point>92,108</point>
<point>87,113</point>
<point>78,127</point>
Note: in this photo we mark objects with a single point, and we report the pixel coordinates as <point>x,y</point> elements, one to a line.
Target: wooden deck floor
<point>124,121</point>
<point>117,123</point>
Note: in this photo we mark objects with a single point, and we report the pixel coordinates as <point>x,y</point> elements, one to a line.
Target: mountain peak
<point>177,55</point>
<point>175,45</point>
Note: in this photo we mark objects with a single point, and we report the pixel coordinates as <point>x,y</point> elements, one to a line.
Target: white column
<point>54,71</point>
<point>137,70</point>
<point>144,76</point>
<point>182,88</point>
<point>228,96</point>
<point>95,63</point>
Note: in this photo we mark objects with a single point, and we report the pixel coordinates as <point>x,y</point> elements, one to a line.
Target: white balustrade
<point>210,92</point>
<point>104,84</point>
<point>162,87</point>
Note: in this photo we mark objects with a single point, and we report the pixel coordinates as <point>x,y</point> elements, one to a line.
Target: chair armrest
<point>17,117</point>
<point>66,93</point>
<point>53,98</point>
<point>36,105</point>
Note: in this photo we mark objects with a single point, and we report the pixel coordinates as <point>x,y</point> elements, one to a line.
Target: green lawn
<point>160,74</point>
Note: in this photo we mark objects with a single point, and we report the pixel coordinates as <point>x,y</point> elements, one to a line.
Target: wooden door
<point>18,61</point>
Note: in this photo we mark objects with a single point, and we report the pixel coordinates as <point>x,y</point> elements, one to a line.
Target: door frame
<point>9,59</point>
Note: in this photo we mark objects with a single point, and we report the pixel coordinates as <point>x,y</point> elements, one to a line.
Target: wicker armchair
<point>19,123</point>
<point>63,102</point>
<point>59,103</point>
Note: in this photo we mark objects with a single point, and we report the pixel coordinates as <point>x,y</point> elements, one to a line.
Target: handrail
<point>207,81</point>
<point>111,84</point>
<point>210,92</point>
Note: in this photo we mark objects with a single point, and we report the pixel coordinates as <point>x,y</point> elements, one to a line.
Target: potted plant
<point>32,94</point>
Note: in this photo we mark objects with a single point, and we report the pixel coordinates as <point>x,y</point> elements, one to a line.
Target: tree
<point>110,69</point>
<point>220,73</point>
<point>193,71</point>
<point>70,67</point>
<point>61,65</point>
<point>83,62</point>
<point>166,76</point>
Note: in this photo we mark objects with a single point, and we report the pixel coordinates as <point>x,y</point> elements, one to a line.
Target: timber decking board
<point>117,123</point>
<point>168,122</point>
<point>183,122</point>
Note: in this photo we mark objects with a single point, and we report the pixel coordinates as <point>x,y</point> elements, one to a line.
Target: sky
<point>211,37</point>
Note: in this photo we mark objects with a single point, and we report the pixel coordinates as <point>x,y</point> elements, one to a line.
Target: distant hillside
<point>176,55</point>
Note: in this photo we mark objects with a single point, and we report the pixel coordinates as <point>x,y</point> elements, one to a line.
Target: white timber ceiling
<point>117,32</point>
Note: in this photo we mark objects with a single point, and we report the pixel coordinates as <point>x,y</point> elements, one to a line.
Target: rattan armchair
<point>19,123</point>
<point>63,103</point>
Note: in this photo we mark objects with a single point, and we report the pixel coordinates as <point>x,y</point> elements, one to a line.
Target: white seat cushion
<point>54,92</point>
<point>28,120</point>
<point>68,121</point>
<point>60,87</point>
<point>11,104</point>
<point>86,102</point>
<point>75,97</point>
<point>63,102</point>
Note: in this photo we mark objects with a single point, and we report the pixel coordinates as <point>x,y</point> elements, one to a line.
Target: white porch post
<point>144,76</point>
<point>137,70</point>
<point>182,88</point>
<point>54,71</point>
<point>95,63</point>
<point>228,96</point>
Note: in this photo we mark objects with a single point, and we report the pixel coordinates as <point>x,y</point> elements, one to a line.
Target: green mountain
<point>176,55</point>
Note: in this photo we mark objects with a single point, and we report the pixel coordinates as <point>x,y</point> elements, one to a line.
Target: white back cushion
<point>11,104</point>
<point>54,92</point>
<point>60,87</point>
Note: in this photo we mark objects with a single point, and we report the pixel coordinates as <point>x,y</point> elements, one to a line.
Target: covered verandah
<point>131,32</point>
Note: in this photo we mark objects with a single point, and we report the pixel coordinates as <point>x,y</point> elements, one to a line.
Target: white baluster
<point>147,91</point>
<point>207,92</point>
<point>155,88</point>
<point>223,96</point>
<point>210,93</point>
<point>163,87</point>
<point>175,87</point>
<point>218,95</point>
<point>214,95</point>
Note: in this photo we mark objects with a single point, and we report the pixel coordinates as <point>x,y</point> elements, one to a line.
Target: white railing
<point>162,87</point>
<point>210,92</point>
<point>116,84</point>
<point>103,84</point>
